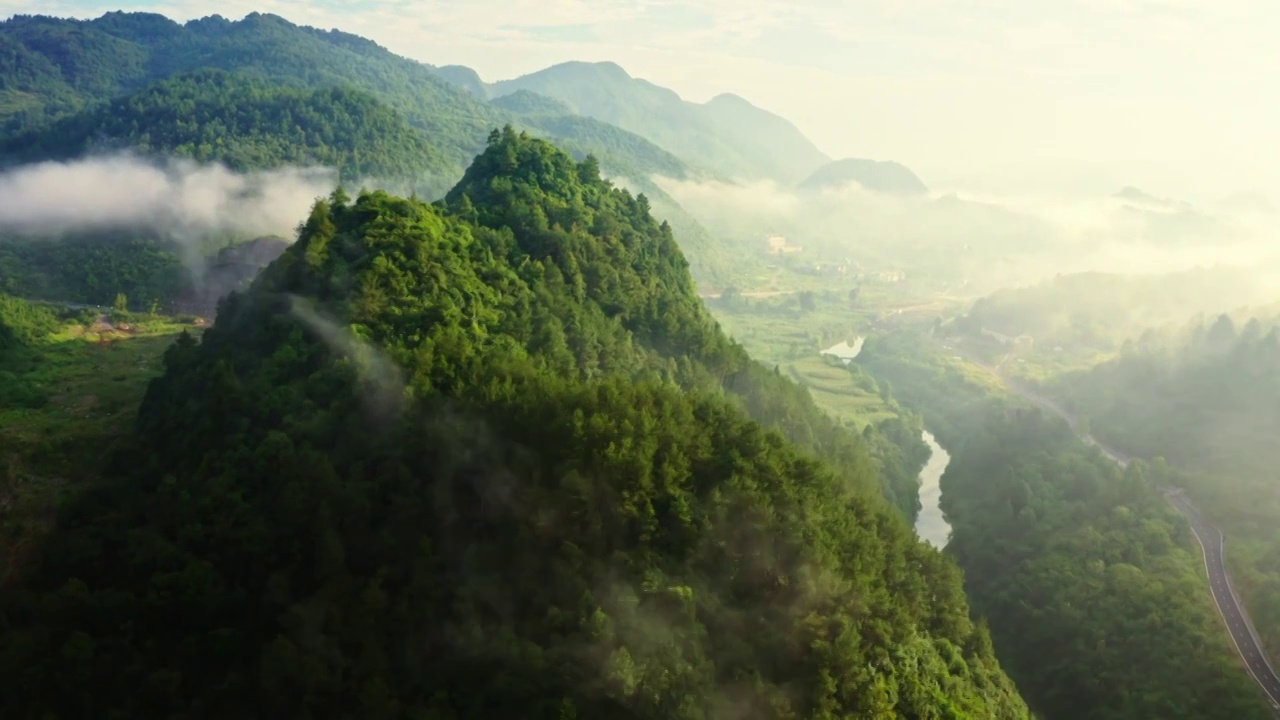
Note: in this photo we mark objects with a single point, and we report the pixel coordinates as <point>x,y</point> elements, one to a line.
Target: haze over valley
<point>621,360</point>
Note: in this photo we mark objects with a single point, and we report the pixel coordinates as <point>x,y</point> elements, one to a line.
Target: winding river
<point>930,525</point>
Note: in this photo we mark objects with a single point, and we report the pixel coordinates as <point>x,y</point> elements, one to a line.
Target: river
<point>845,350</point>
<point>930,525</point>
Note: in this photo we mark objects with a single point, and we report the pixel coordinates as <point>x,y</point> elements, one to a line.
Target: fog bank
<point>178,198</point>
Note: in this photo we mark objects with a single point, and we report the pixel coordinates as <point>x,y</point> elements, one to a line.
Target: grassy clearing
<point>81,390</point>
<point>781,331</point>
<point>842,391</point>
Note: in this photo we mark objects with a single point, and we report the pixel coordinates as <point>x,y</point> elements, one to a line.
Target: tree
<point>122,303</point>
<point>807,301</point>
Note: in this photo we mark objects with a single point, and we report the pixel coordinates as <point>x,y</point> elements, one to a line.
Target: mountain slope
<point>478,459</point>
<point>728,136</point>
<point>774,143</point>
<point>210,115</point>
<point>883,176</point>
<point>94,60</point>
<point>60,66</point>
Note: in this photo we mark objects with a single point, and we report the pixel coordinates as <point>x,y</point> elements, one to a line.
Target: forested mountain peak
<point>487,458</point>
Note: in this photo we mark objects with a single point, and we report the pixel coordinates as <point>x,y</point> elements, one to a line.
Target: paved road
<point>1211,541</point>
<point>1232,610</point>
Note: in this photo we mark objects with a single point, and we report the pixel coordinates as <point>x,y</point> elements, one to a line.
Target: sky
<point>1079,96</point>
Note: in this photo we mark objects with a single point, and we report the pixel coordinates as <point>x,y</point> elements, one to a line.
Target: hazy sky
<point>1176,96</point>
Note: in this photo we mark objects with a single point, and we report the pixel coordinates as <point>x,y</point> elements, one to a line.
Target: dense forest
<point>246,124</point>
<point>485,458</point>
<point>57,67</point>
<point>1205,397</point>
<point>1091,583</point>
<point>94,267</point>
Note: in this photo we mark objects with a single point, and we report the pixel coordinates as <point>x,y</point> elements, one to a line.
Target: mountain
<point>772,142</point>
<point>277,93</point>
<point>464,77</point>
<point>883,176</point>
<point>727,135</point>
<point>64,65</point>
<point>1145,201</point>
<point>211,115</point>
<point>487,458</point>
<point>57,67</point>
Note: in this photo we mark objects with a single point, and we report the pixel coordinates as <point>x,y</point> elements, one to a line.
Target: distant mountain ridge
<point>727,135</point>
<point>883,176</point>
<point>53,68</point>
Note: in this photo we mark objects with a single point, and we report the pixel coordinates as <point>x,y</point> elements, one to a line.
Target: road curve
<point>1243,635</point>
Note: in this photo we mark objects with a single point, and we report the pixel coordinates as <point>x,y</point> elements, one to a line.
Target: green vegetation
<point>1092,585</point>
<point>1076,321</point>
<point>489,457</point>
<point>22,323</point>
<point>728,135</point>
<point>1204,397</point>
<point>92,268</point>
<point>63,66</point>
<point>246,124</point>
<point>920,373</point>
<point>790,331</point>
<point>70,385</point>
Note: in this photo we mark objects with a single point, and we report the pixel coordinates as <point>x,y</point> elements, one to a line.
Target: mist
<point>383,378</point>
<point>176,198</point>
<point>981,242</point>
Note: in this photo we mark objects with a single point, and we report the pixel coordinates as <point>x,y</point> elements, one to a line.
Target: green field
<point>841,391</point>
<point>779,330</point>
<point>82,390</point>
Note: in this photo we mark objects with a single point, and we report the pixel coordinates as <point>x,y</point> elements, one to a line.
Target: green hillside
<point>728,135</point>
<point>1204,396</point>
<point>1092,583</point>
<point>90,61</point>
<point>59,66</point>
<point>487,458</point>
<point>247,124</point>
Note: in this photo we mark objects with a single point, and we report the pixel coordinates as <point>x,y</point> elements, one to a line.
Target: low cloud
<point>178,198</point>
<point>987,241</point>
<point>382,379</point>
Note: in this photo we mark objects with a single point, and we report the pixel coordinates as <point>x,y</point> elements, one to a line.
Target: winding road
<point>1211,541</point>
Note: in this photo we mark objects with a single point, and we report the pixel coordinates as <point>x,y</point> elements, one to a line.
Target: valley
<point>334,383</point>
